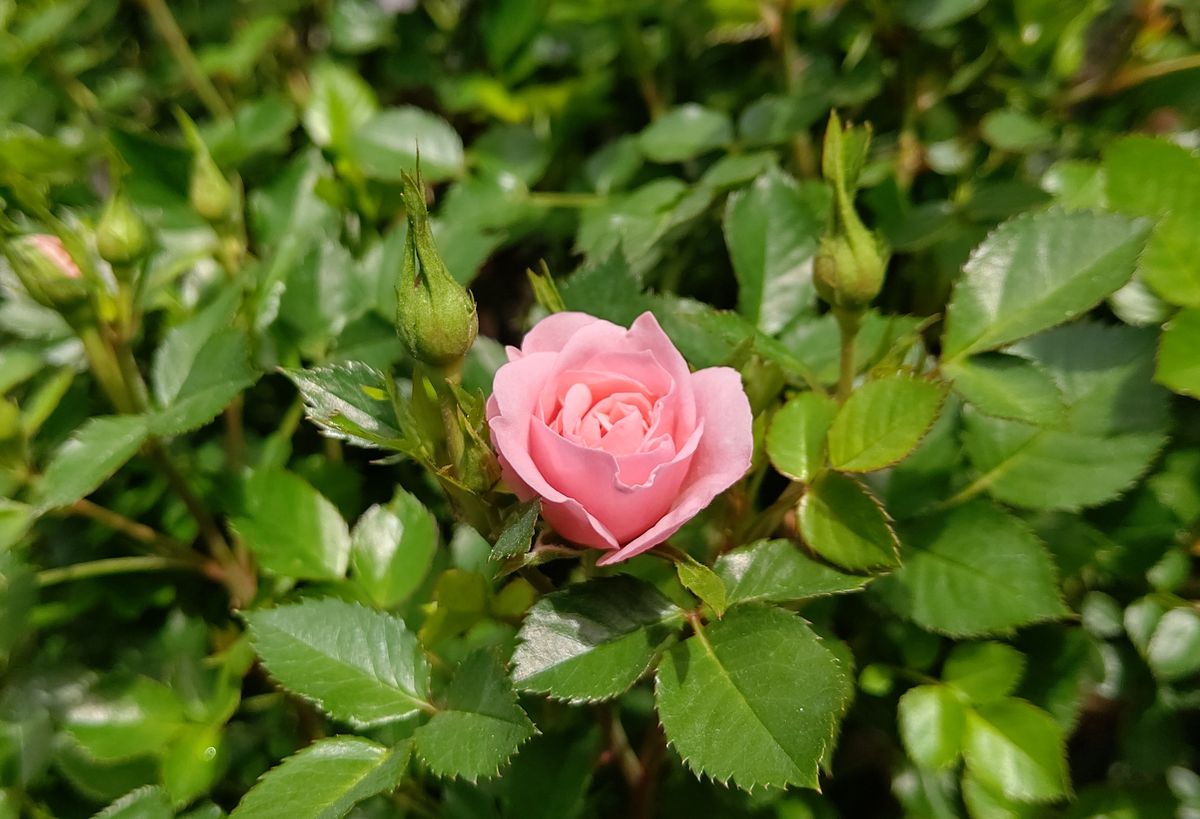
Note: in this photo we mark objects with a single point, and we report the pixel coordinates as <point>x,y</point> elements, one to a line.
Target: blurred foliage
<point>227,174</point>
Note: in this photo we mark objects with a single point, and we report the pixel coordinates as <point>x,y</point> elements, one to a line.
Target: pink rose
<point>54,250</point>
<point>622,442</point>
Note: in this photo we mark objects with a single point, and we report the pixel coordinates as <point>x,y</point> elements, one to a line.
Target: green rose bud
<point>851,262</point>
<point>211,194</point>
<point>121,236</point>
<point>436,315</point>
<point>48,272</point>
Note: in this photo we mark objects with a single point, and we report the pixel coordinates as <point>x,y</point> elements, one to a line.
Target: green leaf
<point>685,132</point>
<point>517,535</point>
<point>882,421</point>
<point>18,595</point>
<point>973,570</point>
<point>772,230</point>
<point>1017,750</point>
<point>392,548</point>
<point>125,717</point>
<point>702,582</point>
<point>593,640</point>
<point>777,571</point>
<point>1011,130</point>
<point>179,352</point>
<point>934,14</point>
<point>1006,386</point>
<point>340,102</point>
<point>92,454</point>
<point>1153,177</point>
<point>984,672</point>
<point>844,523</point>
<point>480,727</point>
<point>1178,365</point>
<point>192,762</point>
<point>1041,468</point>
<point>755,698</point>
<point>359,666</point>
<point>932,721</point>
<point>527,792</point>
<point>1035,271</point>
<point>349,401</point>
<point>292,528</point>
<point>149,802</point>
<point>325,780</point>
<point>796,437</point>
<point>218,373</point>
<point>1174,649</point>
<point>984,803</point>
<point>389,143</point>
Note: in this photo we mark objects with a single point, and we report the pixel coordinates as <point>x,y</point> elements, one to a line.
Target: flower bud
<point>121,236</point>
<point>47,271</point>
<point>211,194</point>
<point>848,270</point>
<point>435,314</point>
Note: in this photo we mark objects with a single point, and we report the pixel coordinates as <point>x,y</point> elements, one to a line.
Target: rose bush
<point>622,442</point>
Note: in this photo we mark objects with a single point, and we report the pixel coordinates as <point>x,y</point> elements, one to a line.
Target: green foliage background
<point>960,578</point>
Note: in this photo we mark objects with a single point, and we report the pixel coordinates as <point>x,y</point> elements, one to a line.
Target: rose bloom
<point>622,442</point>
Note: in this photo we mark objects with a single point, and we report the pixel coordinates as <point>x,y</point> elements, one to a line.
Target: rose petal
<point>553,332</point>
<point>596,480</point>
<point>722,457</point>
<point>648,334</point>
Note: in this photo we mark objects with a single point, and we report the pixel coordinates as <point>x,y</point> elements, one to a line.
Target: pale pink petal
<point>553,332</point>
<point>592,477</point>
<point>721,459</point>
<point>647,334</point>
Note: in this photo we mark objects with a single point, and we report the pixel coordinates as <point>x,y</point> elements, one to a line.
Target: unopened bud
<point>848,270</point>
<point>436,315</point>
<point>47,271</point>
<point>121,236</point>
<point>211,194</point>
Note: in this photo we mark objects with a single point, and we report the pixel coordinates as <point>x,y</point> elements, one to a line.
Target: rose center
<point>617,422</point>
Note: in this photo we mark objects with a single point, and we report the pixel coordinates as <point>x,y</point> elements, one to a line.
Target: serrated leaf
<point>973,570</point>
<point>1153,177</point>
<point>192,763</point>
<point>796,437</point>
<point>593,640</point>
<point>149,802</point>
<point>292,529</point>
<point>180,349</point>
<point>932,721</point>
<point>984,672</point>
<point>772,229</point>
<point>844,523</point>
<point>882,421</point>
<point>1035,271</point>
<point>1041,468</point>
<point>685,132</point>
<point>125,717</point>
<point>778,571</point>
<point>481,725</point>
<point>1018,750</point>
<point>359,666</point>
<point>754,699</point>
<point>1178,366</point>
<point>1008,386</point>
<point>391,549</point>
<point>702,582</point>
<point>984,803</point>
<point>325,780</point>
<point>517,535</point>
<point>218,373</point>
<point>89,457</point>
<point>349,400</point>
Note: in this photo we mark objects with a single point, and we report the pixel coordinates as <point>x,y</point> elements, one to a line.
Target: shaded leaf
<point>882,421</point>
<point>843,523</point>
<point>796,437</point>
<point>1018,750</point>
<point>777,571</point>
<point>92,454</point>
